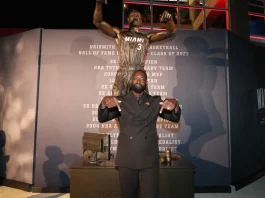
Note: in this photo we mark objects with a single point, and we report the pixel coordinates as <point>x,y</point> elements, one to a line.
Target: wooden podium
<point>90,181</point>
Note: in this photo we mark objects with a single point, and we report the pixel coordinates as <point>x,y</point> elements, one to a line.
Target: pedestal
<point>90,181</point>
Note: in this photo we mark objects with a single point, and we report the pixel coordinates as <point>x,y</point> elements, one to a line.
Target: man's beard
<point>139,89</point>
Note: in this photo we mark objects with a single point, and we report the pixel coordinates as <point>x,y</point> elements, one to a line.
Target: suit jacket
<point>138,139</point>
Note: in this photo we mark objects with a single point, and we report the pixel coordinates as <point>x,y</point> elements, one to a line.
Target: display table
<point>90,181</point>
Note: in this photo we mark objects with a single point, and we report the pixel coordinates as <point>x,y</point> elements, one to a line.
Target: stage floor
<point>253,190</point>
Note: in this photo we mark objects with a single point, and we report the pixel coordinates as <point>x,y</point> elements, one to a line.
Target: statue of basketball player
<point>132,45</point>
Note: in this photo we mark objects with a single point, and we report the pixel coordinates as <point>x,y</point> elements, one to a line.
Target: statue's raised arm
<point>169,32</point>
<point>103,25</point>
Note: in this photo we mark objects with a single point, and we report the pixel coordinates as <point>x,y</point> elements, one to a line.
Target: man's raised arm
<point>170,110</point>
<point>162,35</point>
<point>102,25</point>
<point>109,109</point>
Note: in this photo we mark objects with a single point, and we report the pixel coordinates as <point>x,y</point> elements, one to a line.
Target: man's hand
<point>111,102</point>
<point>166,16</point>
<point>102,1</point>
<point>169,104</point>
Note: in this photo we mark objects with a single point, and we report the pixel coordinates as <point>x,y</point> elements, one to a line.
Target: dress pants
<point>133,182</point>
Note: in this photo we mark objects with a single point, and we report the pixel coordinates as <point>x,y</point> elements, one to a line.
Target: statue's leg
<point>2,102</point>
<point>127,81</point>
<point>118,84</point>
<point>119,88</point>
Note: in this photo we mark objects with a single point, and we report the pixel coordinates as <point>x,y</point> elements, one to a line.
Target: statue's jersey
<point>133,49</point>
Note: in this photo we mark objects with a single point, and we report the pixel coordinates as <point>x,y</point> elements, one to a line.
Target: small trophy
<point>168,155</point>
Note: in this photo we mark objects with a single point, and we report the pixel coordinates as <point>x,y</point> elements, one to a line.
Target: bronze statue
<point>132,44</point>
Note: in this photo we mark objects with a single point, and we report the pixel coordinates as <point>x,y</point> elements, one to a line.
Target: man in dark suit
<point>137,154</point>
